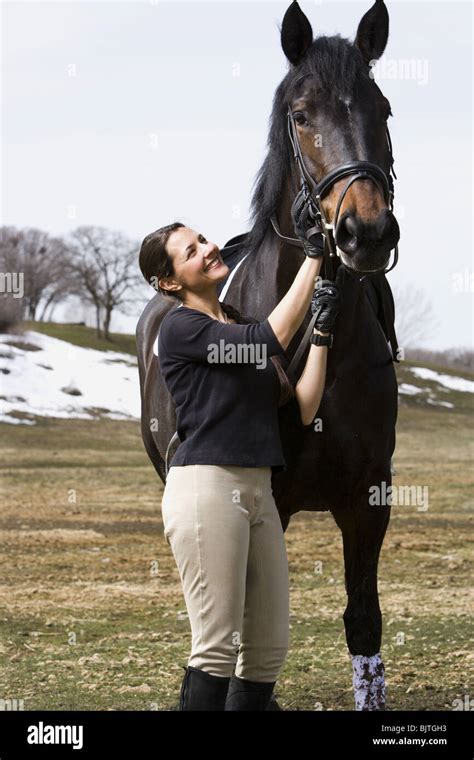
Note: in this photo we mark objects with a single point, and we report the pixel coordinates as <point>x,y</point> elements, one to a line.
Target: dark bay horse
<point>340,116</point>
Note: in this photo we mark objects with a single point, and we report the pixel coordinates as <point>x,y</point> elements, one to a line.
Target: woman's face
<point>197,262</point>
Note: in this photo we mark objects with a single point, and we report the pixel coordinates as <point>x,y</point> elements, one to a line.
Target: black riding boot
<point>248,695</point>
<point>202,691</point>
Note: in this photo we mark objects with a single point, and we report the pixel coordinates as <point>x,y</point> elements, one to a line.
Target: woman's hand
<point>325,303</point>
<point>306,226</point>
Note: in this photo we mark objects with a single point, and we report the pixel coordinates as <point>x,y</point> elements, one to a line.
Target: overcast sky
<point>130,115</point>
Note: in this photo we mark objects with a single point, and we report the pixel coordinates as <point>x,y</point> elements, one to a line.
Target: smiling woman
<point>219,513</point>
<point>176,257</point>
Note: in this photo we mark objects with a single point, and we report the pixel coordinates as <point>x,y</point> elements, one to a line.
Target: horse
<point>339,142</point>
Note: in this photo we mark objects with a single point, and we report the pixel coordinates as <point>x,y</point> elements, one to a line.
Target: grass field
<point>92,615</point>
<point>85,337</point>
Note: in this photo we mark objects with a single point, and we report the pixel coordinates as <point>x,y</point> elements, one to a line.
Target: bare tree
<point>451,358</point>
<point>41,259</point>
<point>414,317</point>
<point>104,263</point>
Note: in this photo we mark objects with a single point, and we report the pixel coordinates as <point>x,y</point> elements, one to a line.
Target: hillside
<point>64,370</point>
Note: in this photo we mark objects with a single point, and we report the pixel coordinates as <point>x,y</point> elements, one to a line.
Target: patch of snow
<point>440,403</point>
<point>106,379</point>
<point>410,390</point>
<point>449,381</point>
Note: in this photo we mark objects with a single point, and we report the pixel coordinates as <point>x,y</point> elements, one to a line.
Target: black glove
<point>306,226</point>
<point>325,302</point>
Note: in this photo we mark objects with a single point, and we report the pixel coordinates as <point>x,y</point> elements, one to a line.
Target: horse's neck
<point>277,261</point>
<point>260,287</point>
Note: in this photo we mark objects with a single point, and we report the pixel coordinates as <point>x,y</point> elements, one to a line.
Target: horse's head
<point>340,117</point>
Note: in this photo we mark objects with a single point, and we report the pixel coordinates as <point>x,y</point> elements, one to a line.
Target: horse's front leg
<point>363,529</point>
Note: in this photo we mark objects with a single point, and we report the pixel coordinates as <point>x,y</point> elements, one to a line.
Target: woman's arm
<point>288,315</point>
<point>309,388</point>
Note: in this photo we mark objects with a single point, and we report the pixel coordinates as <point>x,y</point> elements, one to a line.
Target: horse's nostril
<point>350,224</point>
<point>353,234</point>
<point>346,237</point>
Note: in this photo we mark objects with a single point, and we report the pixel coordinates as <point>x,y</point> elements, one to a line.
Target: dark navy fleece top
<point>225,389</point>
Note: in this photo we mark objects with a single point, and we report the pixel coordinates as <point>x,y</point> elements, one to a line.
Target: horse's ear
<point>296,33</point>
<point>372,34</point>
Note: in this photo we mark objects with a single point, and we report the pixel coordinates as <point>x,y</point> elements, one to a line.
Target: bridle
<point>316,191</point>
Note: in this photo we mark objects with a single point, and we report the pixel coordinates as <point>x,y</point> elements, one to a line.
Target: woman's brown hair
<point>155,261</point>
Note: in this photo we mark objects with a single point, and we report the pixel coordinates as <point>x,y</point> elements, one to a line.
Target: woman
<point>219,514</point>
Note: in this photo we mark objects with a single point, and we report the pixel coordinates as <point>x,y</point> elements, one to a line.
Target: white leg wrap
<point>368,682</point>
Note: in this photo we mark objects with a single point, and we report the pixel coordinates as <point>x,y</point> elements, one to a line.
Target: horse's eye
<point>300,118</point>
